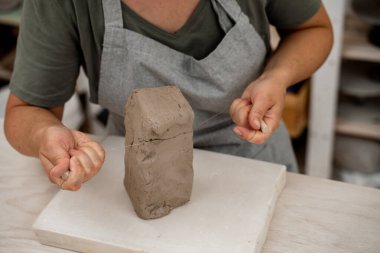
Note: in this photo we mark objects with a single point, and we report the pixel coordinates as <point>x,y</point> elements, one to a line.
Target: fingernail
<point>56,172</point>
<point>65,175</point>
<point>237,131</point>
<point>264,127</point>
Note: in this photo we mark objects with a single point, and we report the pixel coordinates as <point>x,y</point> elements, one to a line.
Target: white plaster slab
<point>230,210</point>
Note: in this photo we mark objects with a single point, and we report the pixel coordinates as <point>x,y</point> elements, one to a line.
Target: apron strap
<point>224,21</point>
<point>113,16</point>
<point>230,6</point>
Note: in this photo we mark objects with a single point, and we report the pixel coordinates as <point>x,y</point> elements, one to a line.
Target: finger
<point>63,179</point>
<point>80,138</point>
<point>47,165</point>
<point>86,162</point>
<point>272,119</point>
<point>97,148</point>
<point>89,160</point>
<point>58,170</point>
<point>260,107</point>
<point>247,94</point>
<point>237,109</point>
<point>245,133</point>
<point>76,177</point>
<point>96,160</point>
<point>237,104</point>
<point>240,116</point>
<point>253,136</point>
<point>84,141</point>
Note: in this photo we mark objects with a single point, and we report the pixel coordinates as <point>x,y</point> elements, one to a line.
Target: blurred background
<point>333,118</point>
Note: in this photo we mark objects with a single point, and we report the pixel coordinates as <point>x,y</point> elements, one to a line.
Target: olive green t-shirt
<point>58,36</point>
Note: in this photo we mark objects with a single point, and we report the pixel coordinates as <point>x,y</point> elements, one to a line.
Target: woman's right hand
<point>63,150</point>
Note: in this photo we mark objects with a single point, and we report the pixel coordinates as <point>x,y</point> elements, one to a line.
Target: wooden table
<point>312,215</point>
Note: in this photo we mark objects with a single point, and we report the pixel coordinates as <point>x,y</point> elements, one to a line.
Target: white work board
<point>231,206</point>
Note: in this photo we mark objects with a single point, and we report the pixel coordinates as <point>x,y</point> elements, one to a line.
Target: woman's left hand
<point>258,112</point>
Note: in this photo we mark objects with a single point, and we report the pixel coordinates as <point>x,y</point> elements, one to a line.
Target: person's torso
<point>198,37</point>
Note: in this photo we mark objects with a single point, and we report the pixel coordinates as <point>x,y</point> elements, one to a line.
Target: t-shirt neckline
<point>183,29</point>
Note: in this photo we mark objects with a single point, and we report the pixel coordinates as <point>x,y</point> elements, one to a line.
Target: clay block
<point>159,150</point>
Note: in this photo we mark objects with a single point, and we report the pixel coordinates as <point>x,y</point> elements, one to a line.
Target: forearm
<point>24,125</point>
<point>301,52</point>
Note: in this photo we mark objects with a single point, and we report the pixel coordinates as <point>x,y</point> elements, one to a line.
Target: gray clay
<point>159,150</point>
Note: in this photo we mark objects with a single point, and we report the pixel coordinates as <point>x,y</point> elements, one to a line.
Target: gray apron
<point>131,60</point>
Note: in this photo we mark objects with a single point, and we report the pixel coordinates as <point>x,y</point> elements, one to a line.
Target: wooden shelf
<point>356,81</point>
<point>358,129</point>
<point>360,121</point>
<point>355,43</point>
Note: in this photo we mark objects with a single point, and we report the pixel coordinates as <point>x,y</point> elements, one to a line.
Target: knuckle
<point>233,107</point>
<point>80,152</point>
<point>48,145</point>
<point>97,169</point>
<point>102,154</point>
<point>239,103</point>
<point>76,162</point>
<point>235,102</point>
<point>91,173</point>
<point>241,115</point>
<point>98,163</point>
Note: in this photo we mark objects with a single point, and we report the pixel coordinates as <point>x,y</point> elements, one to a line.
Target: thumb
<point>259,109</point>
<point>61,166</point>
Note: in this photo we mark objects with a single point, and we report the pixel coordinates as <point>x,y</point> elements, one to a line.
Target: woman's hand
<point>63,150</point>
<point>258,112</point>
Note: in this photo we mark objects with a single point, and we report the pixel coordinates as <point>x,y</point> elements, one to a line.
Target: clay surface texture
<point>159,150</point>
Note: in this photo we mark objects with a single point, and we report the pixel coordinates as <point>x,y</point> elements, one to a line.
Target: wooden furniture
<point>295,114</point>
<point>312,215</point>
<point>350,43</point>
<point>360,58</point>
